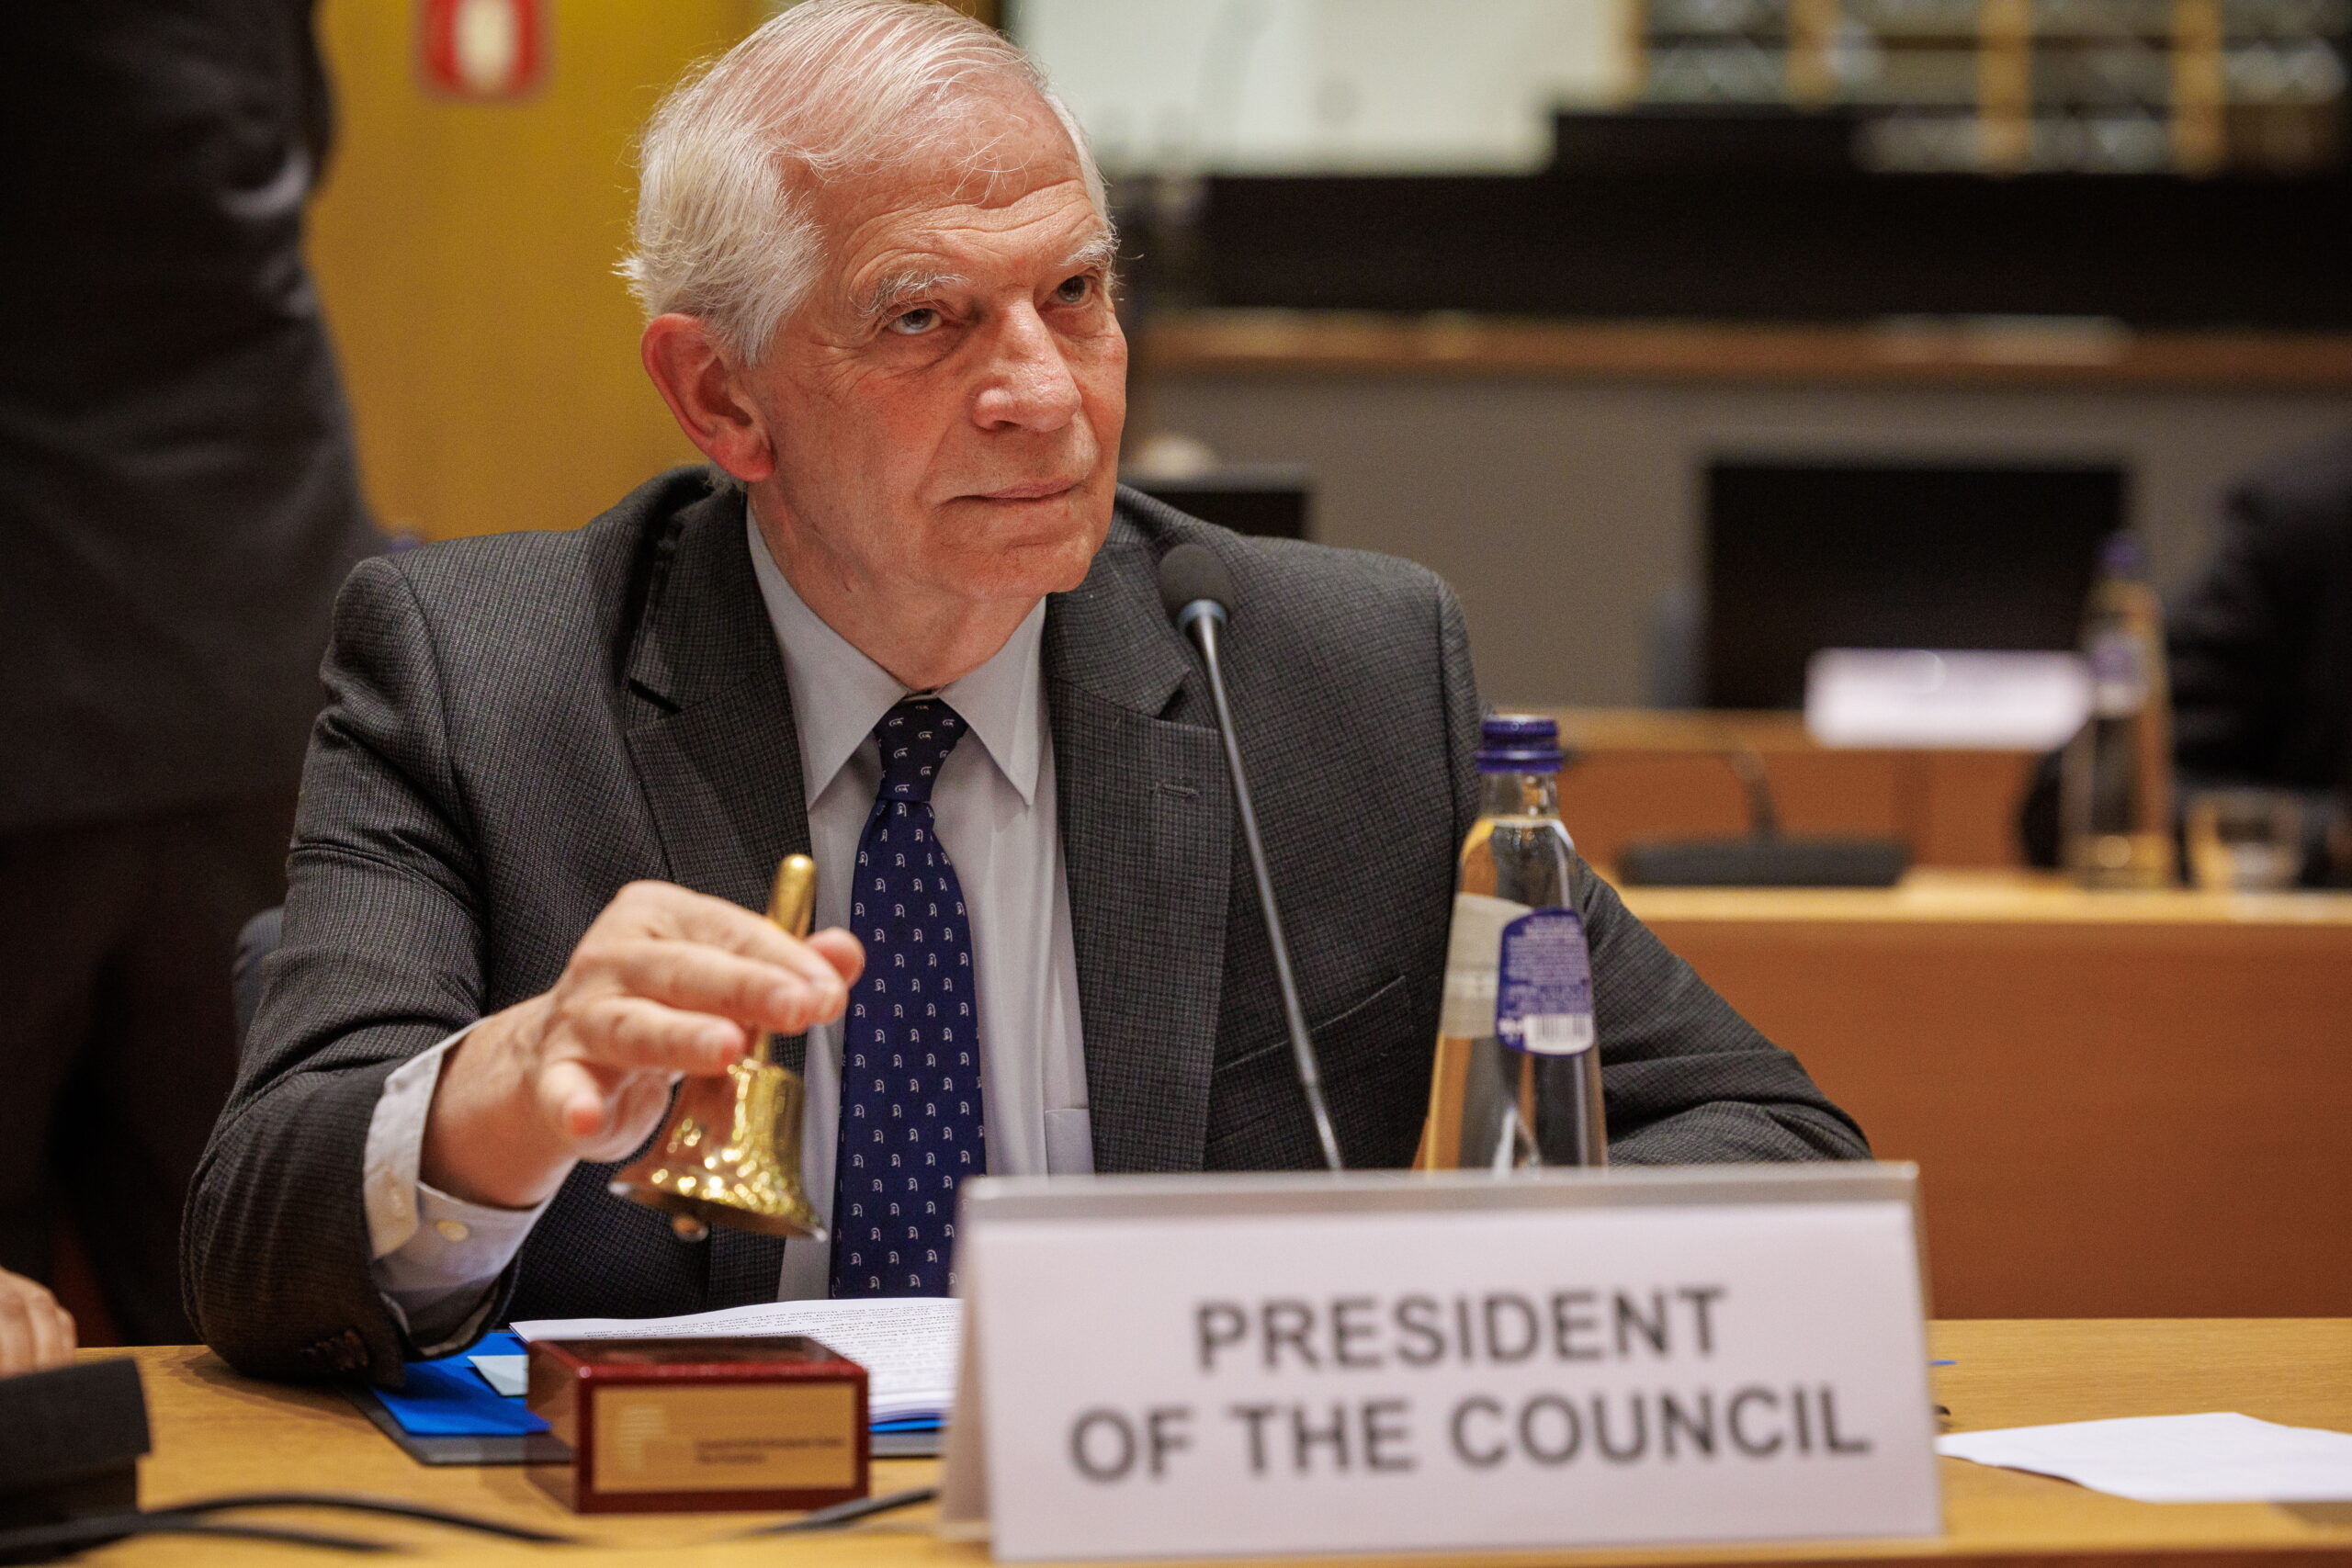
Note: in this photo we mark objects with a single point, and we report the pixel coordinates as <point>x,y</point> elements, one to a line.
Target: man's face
<point>945,407</point>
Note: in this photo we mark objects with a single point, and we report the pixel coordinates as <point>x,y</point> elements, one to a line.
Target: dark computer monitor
<point>1804,556</point>
<point>1270,500</point>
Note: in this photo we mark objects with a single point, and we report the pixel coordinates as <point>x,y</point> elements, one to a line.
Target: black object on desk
<point>1764,863</point>
<point>70,1442</point>
<point>1762,858</point>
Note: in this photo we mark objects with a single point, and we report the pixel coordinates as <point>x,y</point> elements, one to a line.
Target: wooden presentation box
<point>694,1424</point>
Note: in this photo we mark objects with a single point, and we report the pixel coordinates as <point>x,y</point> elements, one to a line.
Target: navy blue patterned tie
<point>910,1126</point>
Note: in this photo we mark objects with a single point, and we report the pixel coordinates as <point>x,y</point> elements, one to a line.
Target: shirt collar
<point>839,695</point>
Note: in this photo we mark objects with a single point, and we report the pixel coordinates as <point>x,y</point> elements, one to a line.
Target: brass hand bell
<point>730,1154</point>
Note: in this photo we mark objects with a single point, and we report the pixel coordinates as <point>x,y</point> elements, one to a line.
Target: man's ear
<point>705,391</point>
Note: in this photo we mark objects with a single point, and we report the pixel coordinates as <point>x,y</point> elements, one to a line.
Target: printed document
<point>2214,1458</point>
<point>906,1344</point>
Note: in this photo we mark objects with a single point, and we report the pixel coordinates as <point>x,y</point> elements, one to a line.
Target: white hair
<point>826,89</point>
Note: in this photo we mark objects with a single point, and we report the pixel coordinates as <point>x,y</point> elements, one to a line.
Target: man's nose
<point>1028,384</point>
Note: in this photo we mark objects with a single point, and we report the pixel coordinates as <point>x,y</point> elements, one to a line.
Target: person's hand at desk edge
<point>35,1332</point>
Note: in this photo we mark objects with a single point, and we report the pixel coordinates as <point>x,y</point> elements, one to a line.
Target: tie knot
<point>915,738</point>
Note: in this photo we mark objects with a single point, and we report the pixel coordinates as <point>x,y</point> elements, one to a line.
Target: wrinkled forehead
<point>996,159</point>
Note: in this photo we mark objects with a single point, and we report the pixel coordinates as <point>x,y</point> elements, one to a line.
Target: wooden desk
<point>2120,1103</point>
<point>216,1433</point>
<point>1651,773</point>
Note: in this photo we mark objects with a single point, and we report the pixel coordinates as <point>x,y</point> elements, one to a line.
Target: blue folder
<point>447,1398</point>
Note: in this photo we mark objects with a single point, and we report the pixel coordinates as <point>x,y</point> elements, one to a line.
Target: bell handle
<point>792,906</point>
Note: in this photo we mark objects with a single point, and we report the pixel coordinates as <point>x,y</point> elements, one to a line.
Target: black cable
<point>43,1543</point>
<point>847,1513</point>
<point>358,1504</point>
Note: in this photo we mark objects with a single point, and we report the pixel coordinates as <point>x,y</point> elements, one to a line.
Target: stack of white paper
<point>2214,1458</point>
<point>906,1344</point>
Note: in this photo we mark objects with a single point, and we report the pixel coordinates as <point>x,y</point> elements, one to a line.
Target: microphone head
<point>1190,574</point>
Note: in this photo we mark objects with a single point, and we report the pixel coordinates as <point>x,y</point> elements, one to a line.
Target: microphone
<point>1764,857</point>
<point>1197,589</point>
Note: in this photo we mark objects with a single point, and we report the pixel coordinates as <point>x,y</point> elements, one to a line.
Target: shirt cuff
<point>396,1145</point>
<point>433,1256</point>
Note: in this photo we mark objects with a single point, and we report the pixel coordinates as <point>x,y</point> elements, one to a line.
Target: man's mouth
<point>1040,490</point>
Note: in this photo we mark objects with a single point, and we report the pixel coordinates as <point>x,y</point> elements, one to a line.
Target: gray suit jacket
<point>520,724</point>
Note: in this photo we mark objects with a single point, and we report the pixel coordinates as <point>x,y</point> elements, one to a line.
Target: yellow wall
<point>465,252</point>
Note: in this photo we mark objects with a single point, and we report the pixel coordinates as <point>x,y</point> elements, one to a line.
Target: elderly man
<point>559,771</point>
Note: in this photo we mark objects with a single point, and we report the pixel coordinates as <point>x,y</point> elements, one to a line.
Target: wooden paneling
<point>2121,1105</point>
<point>1927,352</point>
<point>465,252</point>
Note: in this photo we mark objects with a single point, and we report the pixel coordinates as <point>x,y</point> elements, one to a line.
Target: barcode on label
<point>1556,1034</point>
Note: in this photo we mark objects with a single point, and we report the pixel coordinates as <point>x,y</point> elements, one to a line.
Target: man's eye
<point>1074,291</point>
<point>914,322</point>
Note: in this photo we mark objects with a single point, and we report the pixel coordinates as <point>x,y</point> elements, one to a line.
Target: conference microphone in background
<point>1763,856</point>
<point>1197,589</point>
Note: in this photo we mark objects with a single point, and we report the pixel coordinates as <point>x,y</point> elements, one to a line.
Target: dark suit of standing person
<point>176,507</point>
<point>557,771</point>
<point>2258,647</point>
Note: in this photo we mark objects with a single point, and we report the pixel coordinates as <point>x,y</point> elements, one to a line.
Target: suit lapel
<point>714,741</point>
<point>1146,812</point>
<point>716,750</point>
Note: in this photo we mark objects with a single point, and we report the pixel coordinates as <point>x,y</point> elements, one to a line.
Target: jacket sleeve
<point>1685,1079</point>
<point>382,958</point>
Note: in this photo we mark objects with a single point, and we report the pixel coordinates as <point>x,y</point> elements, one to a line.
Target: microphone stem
<point>1203,629</point>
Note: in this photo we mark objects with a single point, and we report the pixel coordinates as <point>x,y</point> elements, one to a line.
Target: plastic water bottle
<point>1518,1075</point>
<point>2115,784</point>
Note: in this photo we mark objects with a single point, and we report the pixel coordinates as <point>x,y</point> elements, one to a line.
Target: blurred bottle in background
<point>1517,1080</point>
<point>2115,790</point>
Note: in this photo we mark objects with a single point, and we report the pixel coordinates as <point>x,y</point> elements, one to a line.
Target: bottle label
<point>1473,975</point>
<point>1543,1003</point>
<point>2118,673</point>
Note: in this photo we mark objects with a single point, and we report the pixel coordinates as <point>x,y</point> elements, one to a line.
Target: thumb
<point>573,1100</point>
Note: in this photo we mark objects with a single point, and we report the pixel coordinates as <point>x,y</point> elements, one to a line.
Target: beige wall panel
<point>1561,507</point>
<point>465,252</point>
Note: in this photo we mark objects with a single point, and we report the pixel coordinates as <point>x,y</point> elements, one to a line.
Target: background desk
<point>216,1433</point>
<point>2121,1103</point>
<point>1654,774</point>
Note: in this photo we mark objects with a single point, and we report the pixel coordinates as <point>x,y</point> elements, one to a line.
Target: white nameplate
<point>1186,1366</point>
<point>1918,697</point>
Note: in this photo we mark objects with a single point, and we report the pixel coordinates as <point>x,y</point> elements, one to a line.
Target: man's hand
<point>35,1332</point>
<point>664,982</point>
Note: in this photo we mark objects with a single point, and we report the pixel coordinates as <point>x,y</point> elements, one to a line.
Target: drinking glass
<point>2245,841</point>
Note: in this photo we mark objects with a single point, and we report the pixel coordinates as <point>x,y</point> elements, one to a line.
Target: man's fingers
<point>16,1332</point>
<point>52,1333</point>
<point>575,1099</point>
<point>664,909</point>
<point>635,1032</point>
<point>699,978</point>
<point>843,951</point>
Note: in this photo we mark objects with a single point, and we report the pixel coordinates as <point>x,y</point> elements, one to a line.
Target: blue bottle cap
<point>1518,743</point>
